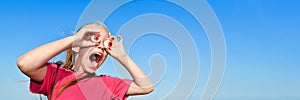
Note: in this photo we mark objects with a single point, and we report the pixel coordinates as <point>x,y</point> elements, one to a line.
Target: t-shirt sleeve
<point>117,86</point>
<point>45,86</point>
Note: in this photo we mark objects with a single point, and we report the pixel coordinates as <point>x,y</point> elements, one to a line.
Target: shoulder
<point>113,80</point>
<point>53,67</point>
<point>44,87</point>
<point>58,72</point>
<point>107,77</point>
<point>117,86</point>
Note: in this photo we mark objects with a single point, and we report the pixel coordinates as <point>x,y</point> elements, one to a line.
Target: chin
<point>90,70</point>
<point>92,67</point>
<point>93,60</point>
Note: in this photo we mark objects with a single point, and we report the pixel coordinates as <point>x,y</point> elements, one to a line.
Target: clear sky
<point>262,41</point>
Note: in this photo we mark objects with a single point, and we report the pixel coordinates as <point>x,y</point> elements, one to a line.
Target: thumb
<point>108,50</point>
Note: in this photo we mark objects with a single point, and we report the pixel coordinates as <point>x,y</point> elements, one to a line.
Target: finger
<point>108,50</point>
<point>88,30</point>
<point>84,32</point>
<point>88,44</point>
<point>112,37</point>
<point>114,40</point>
<point>121,38</point>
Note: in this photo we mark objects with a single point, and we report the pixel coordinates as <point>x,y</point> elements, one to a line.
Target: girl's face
<point>91,58</point>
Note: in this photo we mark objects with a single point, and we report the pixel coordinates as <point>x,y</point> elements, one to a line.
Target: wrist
<point>123,59</point>
<point>69,41</point>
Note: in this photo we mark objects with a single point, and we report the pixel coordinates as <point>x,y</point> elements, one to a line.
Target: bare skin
<point>33,62</point>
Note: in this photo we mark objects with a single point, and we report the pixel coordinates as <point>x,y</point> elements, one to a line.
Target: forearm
<point>139,77</point>
<point>40,56</point>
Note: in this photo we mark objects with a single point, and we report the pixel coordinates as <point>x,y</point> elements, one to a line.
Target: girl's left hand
<point>116,50</point>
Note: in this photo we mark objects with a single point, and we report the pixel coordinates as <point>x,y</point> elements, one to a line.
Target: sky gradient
<point>262,42</point>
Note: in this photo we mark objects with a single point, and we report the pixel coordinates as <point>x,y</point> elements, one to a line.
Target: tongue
<point>93,57</point>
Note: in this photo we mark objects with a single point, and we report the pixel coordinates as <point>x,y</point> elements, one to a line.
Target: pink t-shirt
<point>93,88</point>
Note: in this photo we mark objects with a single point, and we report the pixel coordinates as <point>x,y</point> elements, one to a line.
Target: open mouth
<point>95,57</point>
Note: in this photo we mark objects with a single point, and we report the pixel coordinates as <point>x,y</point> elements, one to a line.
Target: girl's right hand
<point>83,37</point>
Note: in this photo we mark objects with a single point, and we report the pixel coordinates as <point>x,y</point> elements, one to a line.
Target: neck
<point>79,71</point>
<point>78,68</point>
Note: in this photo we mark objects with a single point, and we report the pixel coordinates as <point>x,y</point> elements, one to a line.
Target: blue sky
<point>263,49</point>
<point>262,41</point>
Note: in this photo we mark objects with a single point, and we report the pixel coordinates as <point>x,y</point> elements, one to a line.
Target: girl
<point>87,49</point>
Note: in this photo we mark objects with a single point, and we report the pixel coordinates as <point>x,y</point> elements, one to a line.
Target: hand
<point>116,50</point>
<point>83,37</point>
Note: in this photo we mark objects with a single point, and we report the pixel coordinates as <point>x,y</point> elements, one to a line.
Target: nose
<point>100,46</point>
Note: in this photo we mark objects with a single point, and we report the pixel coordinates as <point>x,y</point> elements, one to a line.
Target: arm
<point>141,83</point>
<point>33,62</point>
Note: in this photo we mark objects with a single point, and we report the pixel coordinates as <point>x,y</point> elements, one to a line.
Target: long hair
<point>69,64</point>
<point>69,59</point>
<point>70,56</point>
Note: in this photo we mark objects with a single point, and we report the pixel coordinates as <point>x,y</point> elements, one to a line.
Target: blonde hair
<point>69,63</point>
<point>70,55</point>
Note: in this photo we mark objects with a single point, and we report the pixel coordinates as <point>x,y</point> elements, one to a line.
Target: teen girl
<point>87,49</point>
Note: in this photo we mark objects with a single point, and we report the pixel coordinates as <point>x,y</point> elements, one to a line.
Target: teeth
<point>98,54</point>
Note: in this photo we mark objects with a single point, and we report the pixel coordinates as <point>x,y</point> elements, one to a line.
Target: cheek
<point>83,54</point>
